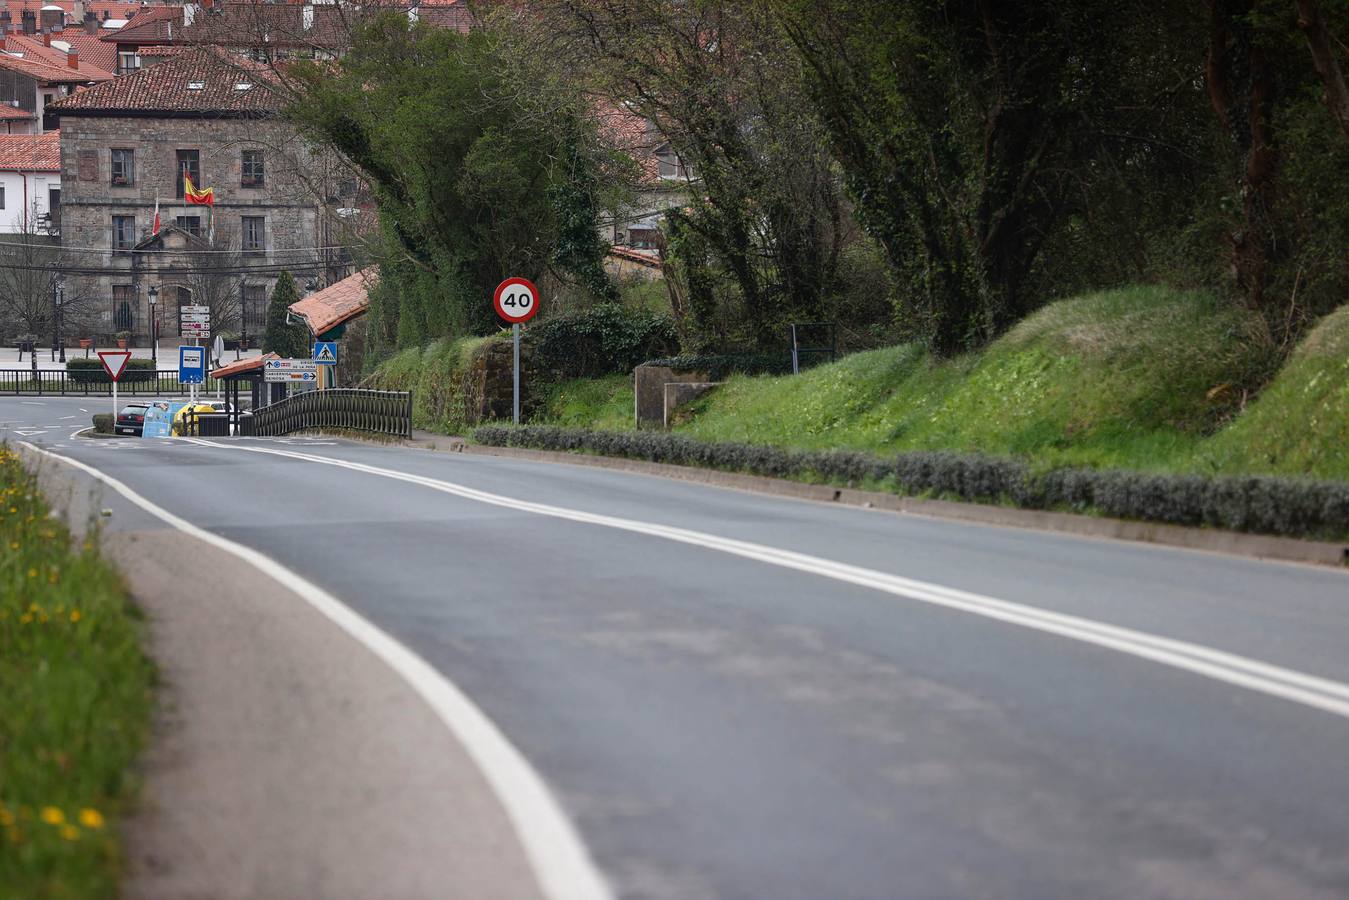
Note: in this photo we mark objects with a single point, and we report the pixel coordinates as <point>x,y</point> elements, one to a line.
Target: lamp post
<point>154,325</point>
<point>58,314</point>
<point>242,343</point>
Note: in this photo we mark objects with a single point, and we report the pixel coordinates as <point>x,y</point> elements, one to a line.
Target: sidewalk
<point>168,355</point>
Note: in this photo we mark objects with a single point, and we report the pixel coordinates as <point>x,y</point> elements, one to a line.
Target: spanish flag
<point>197,197</point>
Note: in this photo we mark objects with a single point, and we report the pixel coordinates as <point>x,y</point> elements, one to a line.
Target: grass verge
<point>74,707</point>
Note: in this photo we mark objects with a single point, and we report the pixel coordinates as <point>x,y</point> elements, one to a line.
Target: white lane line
<point>1289,684</point>
<point>63,418</point>
<point>561,862</point>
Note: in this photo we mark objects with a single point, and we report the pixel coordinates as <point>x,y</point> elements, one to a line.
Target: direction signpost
<point>114,363</point>
<point>517,301</point>
<point>290,371</point>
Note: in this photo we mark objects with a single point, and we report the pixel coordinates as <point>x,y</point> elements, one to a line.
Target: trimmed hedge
<point>720,365</point>
<point>605,340</point>
<point>90,371</point>
<point>103,423</point>
<point>1288,507</point>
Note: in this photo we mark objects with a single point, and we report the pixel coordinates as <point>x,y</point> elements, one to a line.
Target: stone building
<point>125,146</point>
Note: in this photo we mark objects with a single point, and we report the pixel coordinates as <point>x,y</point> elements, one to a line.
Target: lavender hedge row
<point>1288,507</point>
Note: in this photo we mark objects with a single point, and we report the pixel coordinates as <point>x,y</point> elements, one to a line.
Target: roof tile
<point>30,152</point>
<point>197,82</point>
<point>342,300</point>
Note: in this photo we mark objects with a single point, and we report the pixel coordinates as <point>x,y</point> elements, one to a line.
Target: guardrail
<point>379,412</point>
<point>94,382</point>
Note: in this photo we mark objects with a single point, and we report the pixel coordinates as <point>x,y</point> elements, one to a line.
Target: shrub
<point>604,340</point>
<point>1266,505</point>
<point>103,423</point>
<point>90,371</point>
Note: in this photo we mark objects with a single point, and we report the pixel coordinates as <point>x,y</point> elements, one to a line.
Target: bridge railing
<point>378,412</point>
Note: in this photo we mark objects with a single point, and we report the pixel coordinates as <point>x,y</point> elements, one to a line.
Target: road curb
<point>1257,546</point>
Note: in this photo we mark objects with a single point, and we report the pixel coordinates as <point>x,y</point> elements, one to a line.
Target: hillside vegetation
<point>1132,378</point>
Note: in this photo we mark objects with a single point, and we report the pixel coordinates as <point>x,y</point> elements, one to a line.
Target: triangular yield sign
<point>114,361</point>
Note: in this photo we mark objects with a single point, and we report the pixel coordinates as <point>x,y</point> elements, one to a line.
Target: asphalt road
<point>723,722</point>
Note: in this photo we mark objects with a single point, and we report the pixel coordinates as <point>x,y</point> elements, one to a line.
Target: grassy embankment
<point>75,702</point>
<point>1140,378</point>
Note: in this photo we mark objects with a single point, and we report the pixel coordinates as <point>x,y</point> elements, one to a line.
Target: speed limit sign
<point>516,300</point>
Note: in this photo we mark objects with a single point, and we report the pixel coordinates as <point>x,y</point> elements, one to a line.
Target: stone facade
<point>293,218</point>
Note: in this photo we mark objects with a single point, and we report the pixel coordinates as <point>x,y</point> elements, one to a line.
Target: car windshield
<point>133,409</point>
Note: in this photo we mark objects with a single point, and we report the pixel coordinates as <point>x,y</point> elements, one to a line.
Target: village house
<point>30,183</point>
<point>126,145</point>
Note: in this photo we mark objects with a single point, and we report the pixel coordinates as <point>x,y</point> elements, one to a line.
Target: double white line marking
<point>1309,690</point>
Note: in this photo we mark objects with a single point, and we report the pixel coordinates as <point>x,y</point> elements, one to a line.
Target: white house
<point>30,183</point>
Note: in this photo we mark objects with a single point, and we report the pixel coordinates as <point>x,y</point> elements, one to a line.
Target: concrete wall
<point>648,383</point>
<point>286,202</point>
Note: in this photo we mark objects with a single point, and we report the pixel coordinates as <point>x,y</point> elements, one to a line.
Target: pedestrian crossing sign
<point>325,353</point>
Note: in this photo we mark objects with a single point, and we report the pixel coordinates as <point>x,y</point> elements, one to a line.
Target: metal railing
<point>94,382</point>
<point>380,412</point>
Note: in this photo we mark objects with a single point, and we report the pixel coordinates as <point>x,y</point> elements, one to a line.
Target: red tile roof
<point>116,9</point>
<point>32,48</point>
<point>30,152</point>
<point>50,73</point>
<point>338,302</point>
<point>242,366</point>
<point>12,113</point>
<point>200,82</point>
<point>152,25</point>
<point>92,48</point>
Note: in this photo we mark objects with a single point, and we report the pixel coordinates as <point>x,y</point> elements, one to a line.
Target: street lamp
<point>58,310</point>
<point>154,326</point>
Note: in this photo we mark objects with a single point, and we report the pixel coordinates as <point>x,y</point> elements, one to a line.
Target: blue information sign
<point>191,365</point>
<point>325,353</point>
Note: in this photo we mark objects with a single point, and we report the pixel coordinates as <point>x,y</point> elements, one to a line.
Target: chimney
<point>91,22</point>
<point>307,16</point>
<point>207,4</point>
<point>29,19</point>
<point>73,59</point>
<point>189,13</point>
<point>46,37</point>
<point>4,29</point>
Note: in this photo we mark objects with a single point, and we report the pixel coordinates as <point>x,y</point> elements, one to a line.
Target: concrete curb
<point>1232,543</point>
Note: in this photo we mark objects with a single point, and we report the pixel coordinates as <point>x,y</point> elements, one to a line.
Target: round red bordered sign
<point>516,300</point>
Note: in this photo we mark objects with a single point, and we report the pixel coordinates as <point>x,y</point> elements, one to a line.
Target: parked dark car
<point>131,420</point>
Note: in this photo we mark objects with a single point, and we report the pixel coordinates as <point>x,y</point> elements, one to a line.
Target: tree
<point>970,133</point>
<point>468,147</point>
<point>31,264</point>
<point>756,244</point>
<point>289,341</point>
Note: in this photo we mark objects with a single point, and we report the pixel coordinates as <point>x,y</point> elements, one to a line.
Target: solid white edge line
<point>1309,690</point>
<point>561,863</point>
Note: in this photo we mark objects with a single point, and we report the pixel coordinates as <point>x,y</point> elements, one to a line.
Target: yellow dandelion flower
<point>32,573</point>
<point>34,608</point>
<point>14,545</point>
<point>6,817</point>
<point>25,618</point>
<point>52,816</point>
<point>74,615</point>
<point>91,818</point>
<point>42,618</point>
<point>54,577</point>
<point>70,832</point>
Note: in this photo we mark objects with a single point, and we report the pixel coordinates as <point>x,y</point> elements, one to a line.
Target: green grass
<point>1299,425</point>
<point>603,403</point>
<point>1130,378</point>
<point>74,708</point>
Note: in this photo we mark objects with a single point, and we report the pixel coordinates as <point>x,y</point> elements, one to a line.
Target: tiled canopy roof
<point>338,302</point>
<point>30,152</point>
<point>13,113</point>
<point>199,82</point>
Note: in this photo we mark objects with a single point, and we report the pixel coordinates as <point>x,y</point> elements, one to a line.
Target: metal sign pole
<point>515,333</point>
<point>114,404</point>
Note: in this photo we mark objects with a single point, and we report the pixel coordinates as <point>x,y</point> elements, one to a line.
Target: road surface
<point>739,696</point>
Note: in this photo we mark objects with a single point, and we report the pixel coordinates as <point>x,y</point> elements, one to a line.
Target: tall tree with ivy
<point>482,164</point>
